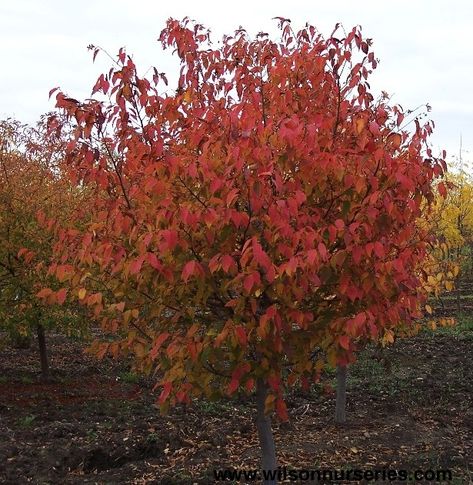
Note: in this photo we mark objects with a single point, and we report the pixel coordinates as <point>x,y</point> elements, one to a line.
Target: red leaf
<point>248,283</point>
<point>322,250</point>
<point>241,334</point>
<point>21,252</point>
<point>339,224</point>
<point>135,265</point>
<point>52,92</point>
<point>227,262</point>
<point>300,197</point>
<point>344,342</point>
<point>233,386</point>
<point>170,239</point>
<point>379,249</point>
<point>154,262</point>
<point>260,256</point>
<point>181,396</point>
<point>312,256</point>
<point>374,127</point>
<point>188,270</point>
<point>157,344</point>
<point>360,319</point>
<point>250,384</point>
<point>357,253</point>
<point>274,382</point>
<point>61,296</point>
<point>397,264</point>
<point>442,189</point>
<point>231,196</point>
<point>214,263</point>
<point>165,392</point>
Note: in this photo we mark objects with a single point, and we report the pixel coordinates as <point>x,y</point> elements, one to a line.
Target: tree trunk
<point>43,355</point>
<point>457,284</point>
<point>340,405</point>
<point>265,434</point>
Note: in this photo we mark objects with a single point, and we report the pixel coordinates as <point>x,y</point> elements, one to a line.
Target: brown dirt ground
<point>88,427</point>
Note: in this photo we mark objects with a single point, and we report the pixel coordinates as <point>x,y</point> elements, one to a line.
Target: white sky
<point>423,46</point>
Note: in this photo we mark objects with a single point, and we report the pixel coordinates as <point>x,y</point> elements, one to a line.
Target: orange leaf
<point>44,293</point>
<point>281,410</point>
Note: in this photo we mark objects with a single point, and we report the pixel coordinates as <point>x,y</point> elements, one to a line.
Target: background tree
<point>32,191</point>
<point>451,218</point>
<point>266,208</point>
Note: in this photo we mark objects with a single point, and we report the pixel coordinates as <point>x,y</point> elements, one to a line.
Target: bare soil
<point>90,426</point>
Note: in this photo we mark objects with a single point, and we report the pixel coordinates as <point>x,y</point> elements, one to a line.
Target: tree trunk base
<point>340,406</point>
<point>265,433</point>
<point>43,355</point>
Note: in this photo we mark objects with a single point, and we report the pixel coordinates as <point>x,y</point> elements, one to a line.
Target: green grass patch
<point>129,377</point>
<point>25,379</point>
<point>371,374</point>
<point>454,297</point>
<point>213,407</point>
<point>27,421</point>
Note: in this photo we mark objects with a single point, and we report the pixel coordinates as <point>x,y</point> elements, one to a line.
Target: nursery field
<point>96,421</point>
<point>264,230</point>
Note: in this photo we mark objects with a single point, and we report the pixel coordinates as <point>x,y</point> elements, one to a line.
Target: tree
<point>264,209</point>
<point>451,218</point>
<point>31,191</point>
<point>437,273</point>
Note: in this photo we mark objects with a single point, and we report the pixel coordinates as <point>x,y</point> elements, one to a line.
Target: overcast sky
<point>424,48</point>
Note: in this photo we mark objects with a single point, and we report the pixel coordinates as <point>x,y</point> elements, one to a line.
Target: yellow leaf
<point>428,308</point>
<point>82,293</point>
<point>395,139</point>
<point>187,96</point>
<point>126,316</point>
<point>269,403</point>
<point>431,280</point>
<point>388,338</point>
<point>360,124</point>
<point>139,349</point>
